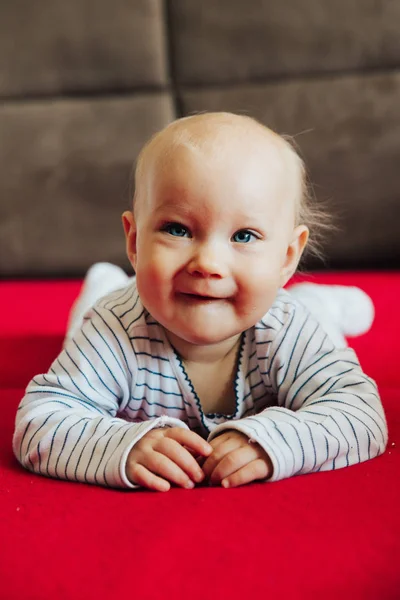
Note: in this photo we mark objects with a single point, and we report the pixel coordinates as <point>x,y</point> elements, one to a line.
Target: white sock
<point>341,310</point>
<point>101,279</point>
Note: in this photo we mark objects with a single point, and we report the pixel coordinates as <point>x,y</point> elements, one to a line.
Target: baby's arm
<point>67,425</point>
<point>328,412</point>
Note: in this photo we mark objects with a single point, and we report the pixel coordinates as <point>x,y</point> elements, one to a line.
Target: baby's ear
<point>129,224</point>
<point>294,252</point>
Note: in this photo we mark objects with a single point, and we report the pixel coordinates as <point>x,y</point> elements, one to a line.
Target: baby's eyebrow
<point>172,205</point>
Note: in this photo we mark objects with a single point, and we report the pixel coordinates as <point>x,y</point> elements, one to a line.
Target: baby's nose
<point>208,260</point>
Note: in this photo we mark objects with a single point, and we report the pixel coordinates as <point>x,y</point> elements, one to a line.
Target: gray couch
<point>84,83</point>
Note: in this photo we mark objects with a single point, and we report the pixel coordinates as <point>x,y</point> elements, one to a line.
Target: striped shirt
<point>308,404</point>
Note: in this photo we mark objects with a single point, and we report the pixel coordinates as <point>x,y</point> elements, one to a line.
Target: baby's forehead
<point>231,145</point>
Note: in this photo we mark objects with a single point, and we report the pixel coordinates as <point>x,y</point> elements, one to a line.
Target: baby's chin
<point>201,338</point>
<point>197,339</point>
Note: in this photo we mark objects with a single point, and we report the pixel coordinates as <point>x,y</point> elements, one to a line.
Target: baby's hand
<point>235,461</point>
<point>167,455</point>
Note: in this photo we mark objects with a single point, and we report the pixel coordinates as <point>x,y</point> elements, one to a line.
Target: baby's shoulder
<point>284,309</point>
<point>125,305</point>
<point>286,326</point>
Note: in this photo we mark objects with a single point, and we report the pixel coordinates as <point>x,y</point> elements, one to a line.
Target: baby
<point>203,367</point>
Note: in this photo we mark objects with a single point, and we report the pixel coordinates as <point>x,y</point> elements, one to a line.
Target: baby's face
<point>212,243</point>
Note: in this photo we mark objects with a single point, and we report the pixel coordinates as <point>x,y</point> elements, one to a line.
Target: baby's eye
<point>244,236</point>
<point>176,230</point>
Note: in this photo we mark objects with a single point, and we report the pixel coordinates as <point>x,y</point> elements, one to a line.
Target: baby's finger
<point>181,457</point>
<point>161,465</point>
<point>220,439</point>
<point>226,447</point>
<point>190,439</point>
<point>253,471</point>
<point>142,476</point>
<point>232,462</point>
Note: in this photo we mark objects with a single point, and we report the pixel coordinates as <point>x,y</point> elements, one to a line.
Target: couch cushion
<point>221,42</point>
<point>54,47</point>
<point>65,172</point>
<point>348,130</point>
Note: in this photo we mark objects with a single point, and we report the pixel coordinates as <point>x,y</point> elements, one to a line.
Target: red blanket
<point>330,535</point>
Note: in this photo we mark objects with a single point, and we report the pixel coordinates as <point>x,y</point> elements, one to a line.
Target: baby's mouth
<point>189,297</point>
<point>199,297</point>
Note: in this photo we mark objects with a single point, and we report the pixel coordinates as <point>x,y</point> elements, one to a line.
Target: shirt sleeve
<point>67,424</point>
<point>327,412</point>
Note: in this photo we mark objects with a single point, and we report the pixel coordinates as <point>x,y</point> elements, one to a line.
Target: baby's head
<point>217,225</point>
<point>215,136</point>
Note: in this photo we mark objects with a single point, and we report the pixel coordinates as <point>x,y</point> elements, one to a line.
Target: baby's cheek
<point>151,269</point>
<point>147,280</point>
<point>256,301</point>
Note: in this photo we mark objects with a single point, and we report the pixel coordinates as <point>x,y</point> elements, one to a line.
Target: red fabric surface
<point>326,535</point>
